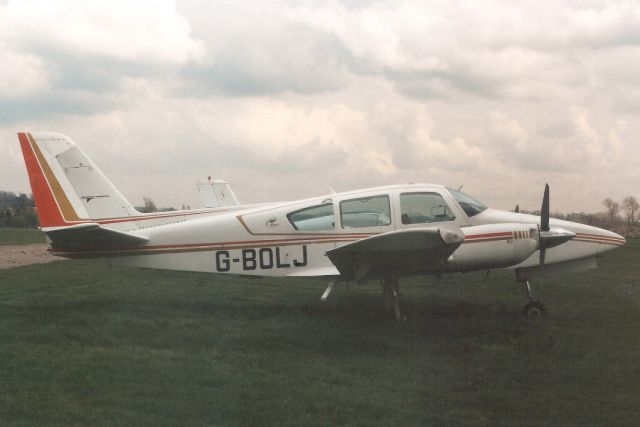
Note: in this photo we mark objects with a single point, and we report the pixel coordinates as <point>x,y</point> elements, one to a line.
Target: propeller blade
<point>544,211</point>
<point>544,227</point>
<point>543,251</point>
<point>542,246</point>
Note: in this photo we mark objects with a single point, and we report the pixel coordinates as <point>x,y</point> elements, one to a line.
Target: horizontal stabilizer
<point>397,252</point>
<point>216,193</point>
<point>91,236</point>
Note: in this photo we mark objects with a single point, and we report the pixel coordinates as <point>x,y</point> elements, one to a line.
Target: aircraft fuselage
<point>292,238</point>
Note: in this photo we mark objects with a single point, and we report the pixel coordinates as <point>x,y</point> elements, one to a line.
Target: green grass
<point>85,344</point>
<point>20,236</point>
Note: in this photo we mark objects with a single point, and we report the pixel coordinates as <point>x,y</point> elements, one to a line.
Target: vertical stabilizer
<point>67,186</point>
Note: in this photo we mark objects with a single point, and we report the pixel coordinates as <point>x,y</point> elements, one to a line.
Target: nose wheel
<point>534,308</point>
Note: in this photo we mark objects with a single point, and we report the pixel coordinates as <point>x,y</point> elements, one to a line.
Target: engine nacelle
<point>494,246</point>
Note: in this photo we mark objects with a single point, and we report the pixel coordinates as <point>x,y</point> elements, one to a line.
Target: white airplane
<point>380,233</point>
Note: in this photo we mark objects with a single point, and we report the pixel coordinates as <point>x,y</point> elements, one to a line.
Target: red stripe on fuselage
<point>600,237</point>
<point>481,236</point>
<point>488,237</point>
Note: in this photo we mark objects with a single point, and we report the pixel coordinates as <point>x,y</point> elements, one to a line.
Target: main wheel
<point>534,309</point>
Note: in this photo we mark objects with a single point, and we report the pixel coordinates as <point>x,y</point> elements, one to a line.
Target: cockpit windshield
<point>470,205</point>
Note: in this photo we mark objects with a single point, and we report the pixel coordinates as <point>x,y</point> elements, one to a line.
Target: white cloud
<point>281,96</point>
<point>508,49</point>
<point>20,74</point>
<point>127,31</point>
<point>582,147</point>
<point>512,138</point>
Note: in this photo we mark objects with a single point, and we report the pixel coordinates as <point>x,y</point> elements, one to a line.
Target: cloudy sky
<point>280,97</point>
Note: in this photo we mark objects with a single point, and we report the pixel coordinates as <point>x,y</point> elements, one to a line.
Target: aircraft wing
<point>403,251</point>
<point>91,236</point>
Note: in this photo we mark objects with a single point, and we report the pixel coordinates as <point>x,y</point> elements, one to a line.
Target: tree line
<point>629,209</point>
<point>621,217</point>
<point>17,210</point>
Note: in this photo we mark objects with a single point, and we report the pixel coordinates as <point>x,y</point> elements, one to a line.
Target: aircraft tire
<point>534,309</point>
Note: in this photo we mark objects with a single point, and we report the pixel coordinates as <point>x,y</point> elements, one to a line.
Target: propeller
<point>549,238</point>
<point>544,226</point>
<point>544,211</point>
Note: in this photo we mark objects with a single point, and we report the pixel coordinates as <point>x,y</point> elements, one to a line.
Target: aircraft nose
<point>614,237</point>
<point>607,240</point>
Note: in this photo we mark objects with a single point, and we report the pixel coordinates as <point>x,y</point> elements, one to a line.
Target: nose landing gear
<point>534,308</point>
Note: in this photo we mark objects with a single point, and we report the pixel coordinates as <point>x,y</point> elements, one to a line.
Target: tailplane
<point>68,188</point>
<point>216,193</point>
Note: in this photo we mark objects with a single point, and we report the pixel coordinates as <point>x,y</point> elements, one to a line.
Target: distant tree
<point>612,210</point>
<point>22,202</point>
<point>17,210</point>
<point>597,219</point>
<point>149,205</point>
<point>630,206</point>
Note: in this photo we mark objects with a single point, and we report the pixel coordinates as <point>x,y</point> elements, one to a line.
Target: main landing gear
<point>534,308</point>
<point>391,294</point>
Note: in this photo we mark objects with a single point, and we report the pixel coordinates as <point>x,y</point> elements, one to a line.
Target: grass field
<point>86,344</point>
<point>20,236</point>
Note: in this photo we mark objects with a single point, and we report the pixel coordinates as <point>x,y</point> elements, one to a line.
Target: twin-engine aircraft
<point>382,233</point>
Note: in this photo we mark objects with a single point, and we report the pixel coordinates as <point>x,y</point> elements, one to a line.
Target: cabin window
<point>365,212</point>
<point>314,218</point>
<point>420,208</point>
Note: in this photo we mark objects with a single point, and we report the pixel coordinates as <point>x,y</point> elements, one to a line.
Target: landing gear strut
<point>330,284</point>
<point>534,308</point>
<point>391,294</point>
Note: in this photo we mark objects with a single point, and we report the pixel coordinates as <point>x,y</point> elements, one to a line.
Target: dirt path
<point>16,256</point>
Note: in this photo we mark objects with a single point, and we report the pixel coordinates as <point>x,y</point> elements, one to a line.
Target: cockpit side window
<point>371,211</point>
<point>314,218</point>
<point>470,205</point>
<point>420,208</point>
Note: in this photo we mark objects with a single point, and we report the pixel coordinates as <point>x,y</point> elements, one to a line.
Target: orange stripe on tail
<point>49,212</point>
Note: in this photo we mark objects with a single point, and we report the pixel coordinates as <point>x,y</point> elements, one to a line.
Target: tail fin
<point>216,193</point>
<point>67,186</point>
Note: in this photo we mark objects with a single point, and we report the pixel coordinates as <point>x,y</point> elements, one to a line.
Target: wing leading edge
<point>405,251</point>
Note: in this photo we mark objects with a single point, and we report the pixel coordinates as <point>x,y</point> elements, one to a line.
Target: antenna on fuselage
<point>330,189</point>
<point>460,188</point>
